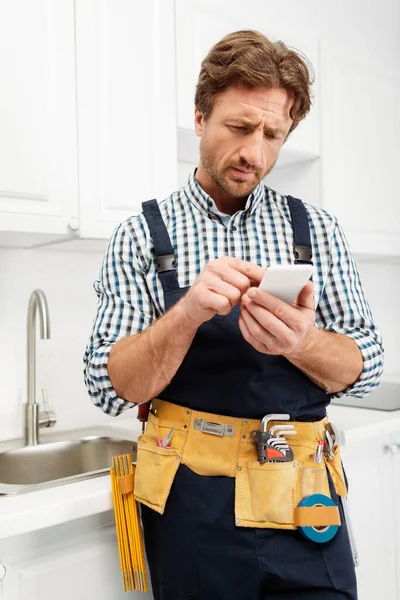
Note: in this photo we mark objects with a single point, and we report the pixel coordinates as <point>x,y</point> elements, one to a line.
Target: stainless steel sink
<point>60,458</point>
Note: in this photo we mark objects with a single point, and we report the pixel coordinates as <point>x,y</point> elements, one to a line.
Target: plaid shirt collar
<point>206,204</point>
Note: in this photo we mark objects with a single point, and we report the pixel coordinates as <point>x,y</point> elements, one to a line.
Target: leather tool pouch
<point>335,468</point>
<point>156,467</point>
<point>265,494</point>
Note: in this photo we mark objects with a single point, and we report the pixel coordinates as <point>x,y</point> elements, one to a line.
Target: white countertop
<point>46,508</point>
<point>359,424</point>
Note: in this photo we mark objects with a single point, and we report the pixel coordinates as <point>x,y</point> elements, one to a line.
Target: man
<point>181,322</point>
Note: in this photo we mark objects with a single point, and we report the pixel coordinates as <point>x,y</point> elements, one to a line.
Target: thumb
<point>306,297</point>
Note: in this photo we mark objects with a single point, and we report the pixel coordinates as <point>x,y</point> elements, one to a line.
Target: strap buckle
<point>165,262</point>
<point>214,428</point>
<point>302,253</point>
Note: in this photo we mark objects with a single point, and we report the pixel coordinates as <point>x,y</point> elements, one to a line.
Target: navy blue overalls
<point>194,549</point>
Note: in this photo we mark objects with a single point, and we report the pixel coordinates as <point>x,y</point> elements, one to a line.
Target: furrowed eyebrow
<point>244,121</point>
<point>273,131</point>
<point>252,125</point>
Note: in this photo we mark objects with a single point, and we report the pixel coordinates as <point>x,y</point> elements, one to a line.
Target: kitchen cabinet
<point>374,500</point>
<point>126,109</point>
<point>76,560</point>
<point>87,116</point>
<point>394,452</point>
<point>38,142</point>
<point>360,149</point>
<point>199,25</point>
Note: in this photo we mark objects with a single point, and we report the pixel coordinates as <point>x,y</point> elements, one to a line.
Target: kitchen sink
<point>61,458</point>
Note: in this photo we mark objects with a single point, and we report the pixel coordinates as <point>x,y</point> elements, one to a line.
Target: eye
<point>271,136</point>
<point>237,127</point>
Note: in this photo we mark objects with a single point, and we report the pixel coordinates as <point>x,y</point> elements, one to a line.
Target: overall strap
<point>301,231</point>
<point>165,256</point>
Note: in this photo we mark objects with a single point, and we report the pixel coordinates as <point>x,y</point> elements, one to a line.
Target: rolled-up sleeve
<point>344,309</point>
<point>124,308</point>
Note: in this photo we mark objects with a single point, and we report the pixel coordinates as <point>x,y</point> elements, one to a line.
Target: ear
<point>198,122</point>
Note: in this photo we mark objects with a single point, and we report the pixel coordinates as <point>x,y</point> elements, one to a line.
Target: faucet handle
<point>45,399</point>
<point>47,418</point>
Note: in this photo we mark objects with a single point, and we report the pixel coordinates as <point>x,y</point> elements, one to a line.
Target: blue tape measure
<point>320,534</point>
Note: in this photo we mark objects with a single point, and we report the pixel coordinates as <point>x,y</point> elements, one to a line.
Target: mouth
<point>242,173</point>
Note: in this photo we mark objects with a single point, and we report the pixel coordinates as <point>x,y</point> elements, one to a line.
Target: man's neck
<point>225,203</point>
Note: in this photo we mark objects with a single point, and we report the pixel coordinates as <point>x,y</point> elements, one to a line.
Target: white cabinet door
<point>126,109</point>
<point>84,568</point>
<point>394,451</point>
<point>369,470</point>
<point>199,25</point>
<point>38,146</point>
<point>360,150</point>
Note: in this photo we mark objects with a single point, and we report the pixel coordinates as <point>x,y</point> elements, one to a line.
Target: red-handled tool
<point>143,414</point>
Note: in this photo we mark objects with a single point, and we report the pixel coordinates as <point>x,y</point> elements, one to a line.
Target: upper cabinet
<point>38,141</point>
<point>87,116</point>
<point>126,109</point>
<point>199,25</point>
<point>97,108</point>
<point>360,150</point>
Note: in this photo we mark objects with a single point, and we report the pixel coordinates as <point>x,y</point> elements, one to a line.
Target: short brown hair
<point>249,59</point>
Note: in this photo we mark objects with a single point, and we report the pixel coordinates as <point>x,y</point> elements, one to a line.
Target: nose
<point>251,150</point>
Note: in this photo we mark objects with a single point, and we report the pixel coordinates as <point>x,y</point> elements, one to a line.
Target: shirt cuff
<point>372,353</point>
<point>98,383</point>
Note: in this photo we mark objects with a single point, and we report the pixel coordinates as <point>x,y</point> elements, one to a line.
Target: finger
<point>218,303</point>
<point>209,302</point>
<point>256,331</point>
<point>288,314</point>
<point>306,297</point>
<point>268,321</point>
<point>215,284</point>
<point>252,271</point>
<point>223,272</point>
<point>277,307</point>
<point>247,336</point>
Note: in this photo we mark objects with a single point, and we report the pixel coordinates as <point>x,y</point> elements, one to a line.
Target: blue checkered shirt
<point>130,296</point>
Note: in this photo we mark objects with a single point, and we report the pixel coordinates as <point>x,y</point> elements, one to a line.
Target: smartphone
<point>286,281</point>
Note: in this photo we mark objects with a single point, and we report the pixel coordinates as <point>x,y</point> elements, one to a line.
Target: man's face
<point>241,139</point>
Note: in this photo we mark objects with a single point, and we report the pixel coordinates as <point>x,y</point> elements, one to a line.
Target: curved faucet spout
<point>37,304</point>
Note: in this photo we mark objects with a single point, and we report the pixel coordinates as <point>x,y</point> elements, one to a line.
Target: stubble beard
<point>234,187</point>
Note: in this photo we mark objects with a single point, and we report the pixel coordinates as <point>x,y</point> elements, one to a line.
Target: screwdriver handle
<point>143,413</point>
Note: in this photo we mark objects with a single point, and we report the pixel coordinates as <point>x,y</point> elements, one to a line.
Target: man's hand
<point>219,288</point>
<point>273,327</point>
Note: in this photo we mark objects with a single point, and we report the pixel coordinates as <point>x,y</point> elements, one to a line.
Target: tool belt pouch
<point>336,472</point>
<point>156,467</point>
<point>266,495</point>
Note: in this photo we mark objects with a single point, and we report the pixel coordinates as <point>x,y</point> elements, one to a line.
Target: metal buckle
<point>214,428</point>
<point>302,253</point>
<point>165,263</point>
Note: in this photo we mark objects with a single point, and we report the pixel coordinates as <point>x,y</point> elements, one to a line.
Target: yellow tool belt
<point>266,495</point>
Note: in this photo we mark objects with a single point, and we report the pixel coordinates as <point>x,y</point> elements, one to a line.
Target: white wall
<point>66,277</point>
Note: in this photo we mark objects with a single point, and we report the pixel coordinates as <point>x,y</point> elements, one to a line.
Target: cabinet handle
<point>392,448</point>
<point>74,223</point>
<point>3,571</point>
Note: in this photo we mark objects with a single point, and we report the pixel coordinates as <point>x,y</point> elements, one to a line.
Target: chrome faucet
<point>33,417</point>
